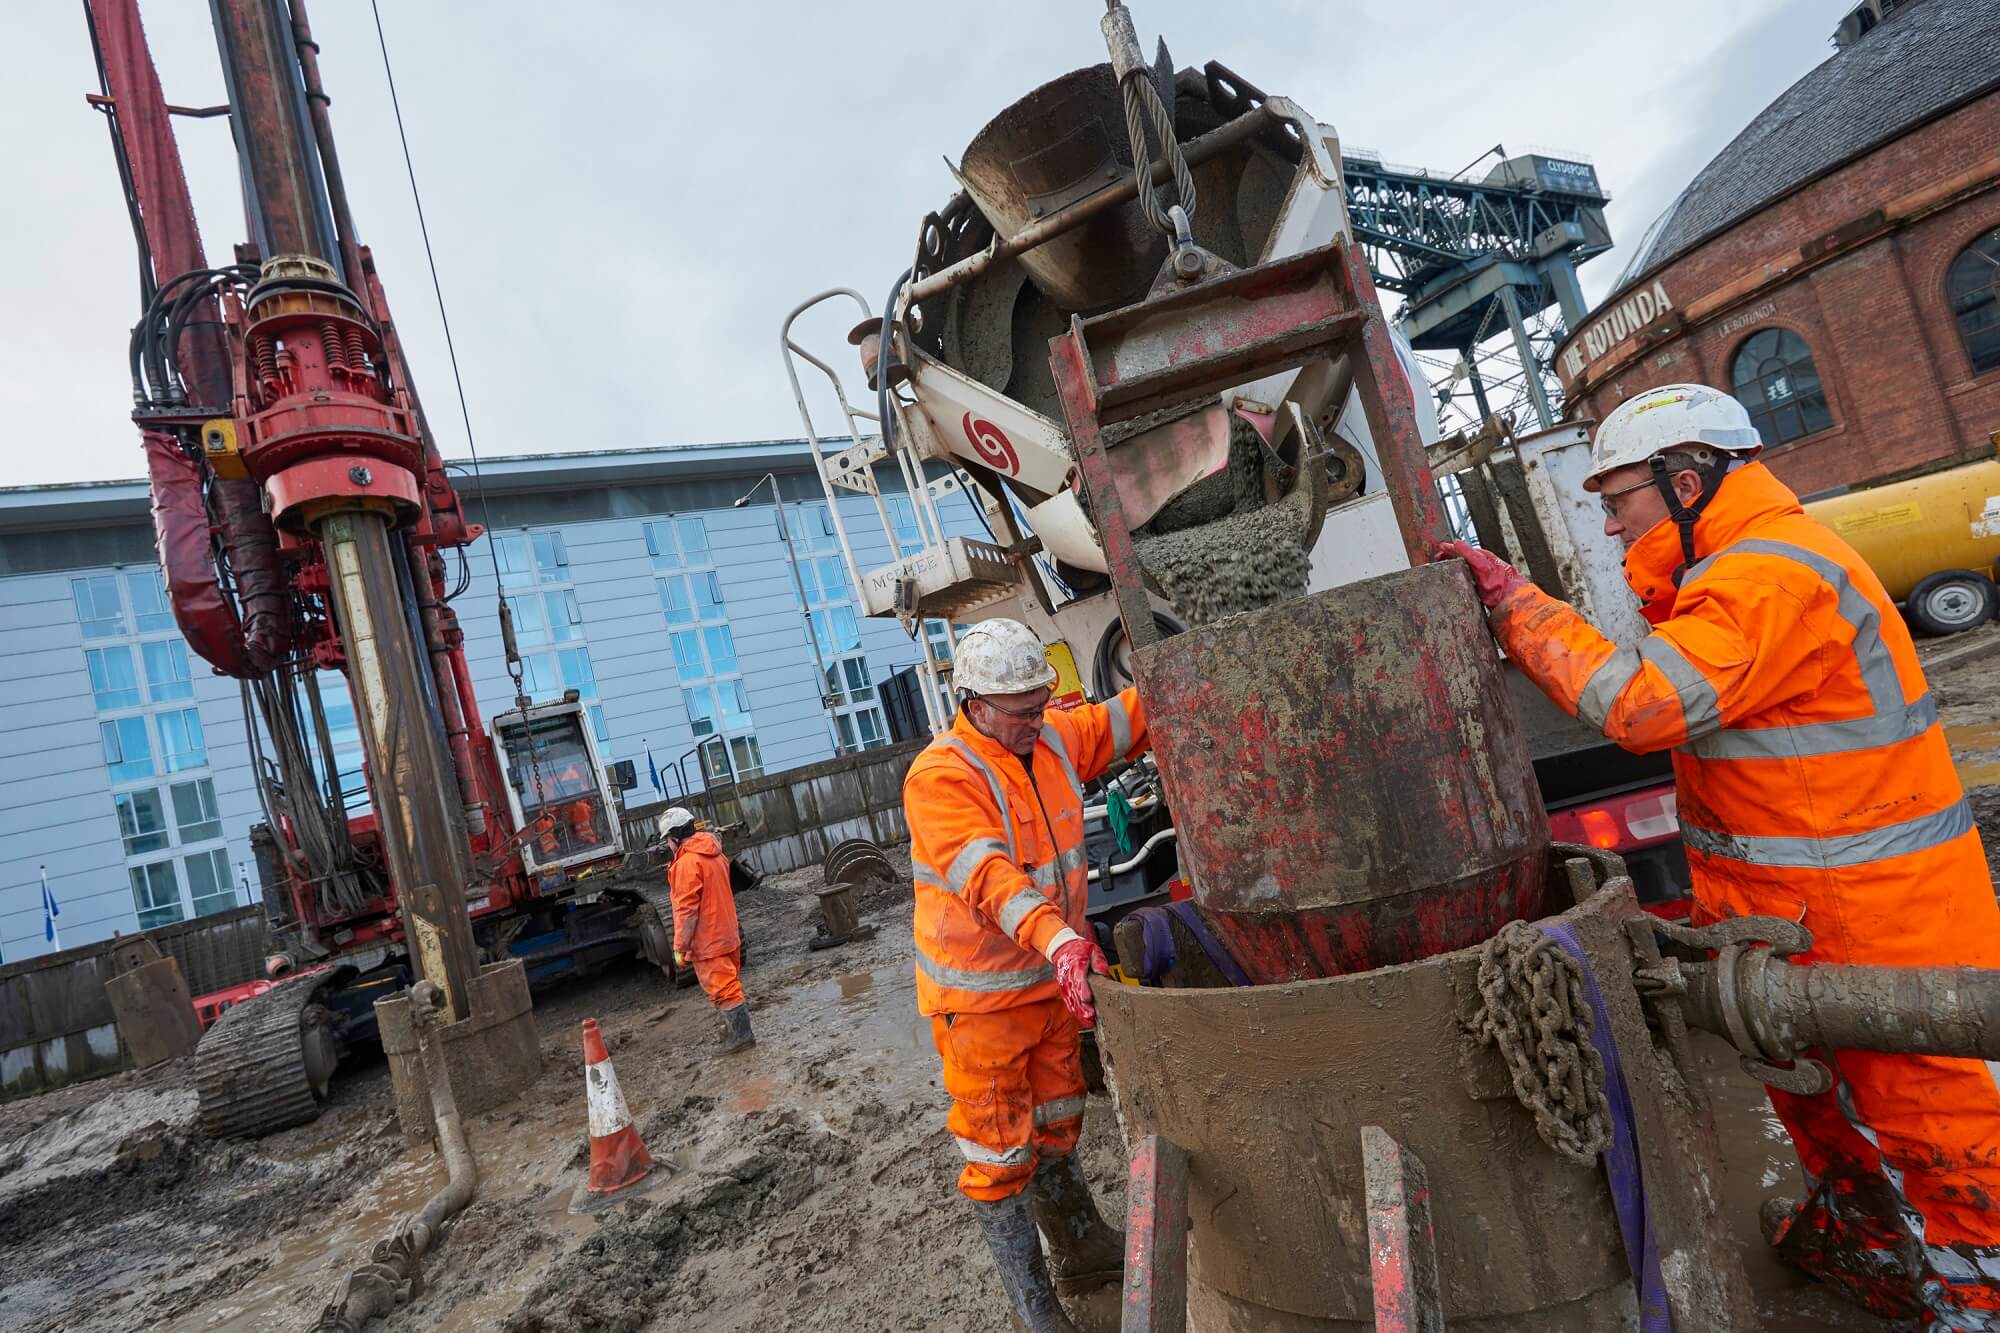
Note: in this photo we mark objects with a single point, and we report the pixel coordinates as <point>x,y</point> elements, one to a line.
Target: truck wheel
<point>1951,600</point>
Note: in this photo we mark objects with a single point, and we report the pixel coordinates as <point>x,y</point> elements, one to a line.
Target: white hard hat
<point>1671,416</point>
<point>1000,657</point>
<point>675,819</point>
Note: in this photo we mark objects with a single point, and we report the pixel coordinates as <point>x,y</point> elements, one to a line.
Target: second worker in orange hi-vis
<point>705,934</point>
<point>1004,954</point>
<point>1814,784</point>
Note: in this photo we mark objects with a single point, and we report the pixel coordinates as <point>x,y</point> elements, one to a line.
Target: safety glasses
<point>1607,498</point>
<point>1035,710</point>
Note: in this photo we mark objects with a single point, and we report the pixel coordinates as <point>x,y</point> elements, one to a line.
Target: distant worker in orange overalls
<point>705,935</point>
<point>1004,954</point>
<point>1814,784</point>
<point>582,823</point>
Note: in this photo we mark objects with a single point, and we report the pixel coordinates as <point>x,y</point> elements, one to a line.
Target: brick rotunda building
<point>1837,266</point>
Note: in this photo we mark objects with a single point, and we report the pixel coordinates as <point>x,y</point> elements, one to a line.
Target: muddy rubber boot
<point>1774,1217</point>
<point>1009,1228</point>
<point>1085,1251</point>
<point>736,1033</point>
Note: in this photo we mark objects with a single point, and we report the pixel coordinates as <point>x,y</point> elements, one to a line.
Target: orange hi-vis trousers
<point>1015,1076</point>
<point>721,978</point>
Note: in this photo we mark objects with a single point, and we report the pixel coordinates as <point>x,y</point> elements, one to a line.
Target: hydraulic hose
<point>1138,857</point>
<point>394,1270</point>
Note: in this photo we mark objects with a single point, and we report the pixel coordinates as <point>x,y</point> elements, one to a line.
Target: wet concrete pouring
<point>810,1181</point>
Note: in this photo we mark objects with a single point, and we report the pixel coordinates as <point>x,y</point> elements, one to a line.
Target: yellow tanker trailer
<point>1932,540</point>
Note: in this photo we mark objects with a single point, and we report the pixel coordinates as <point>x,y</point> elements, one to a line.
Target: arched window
<point>1775,381</point>
<point>1973,288</point>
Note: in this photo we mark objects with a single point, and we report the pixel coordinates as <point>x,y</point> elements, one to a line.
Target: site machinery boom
<point>304,518</point>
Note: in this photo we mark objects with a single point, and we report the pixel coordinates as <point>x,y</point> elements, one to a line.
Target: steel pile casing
<point>1267,1088</point>
<point>494,1056</point>
<point>1348,779</point>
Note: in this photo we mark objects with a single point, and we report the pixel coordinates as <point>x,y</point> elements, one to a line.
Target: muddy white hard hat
<point>677,820</point>
<point>1673,416</point>
<point>1000,657</point>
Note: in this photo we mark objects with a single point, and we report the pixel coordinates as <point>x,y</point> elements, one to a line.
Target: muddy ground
<point>810,1181</point>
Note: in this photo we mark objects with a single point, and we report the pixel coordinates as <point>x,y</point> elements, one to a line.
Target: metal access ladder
<point>947,578</point>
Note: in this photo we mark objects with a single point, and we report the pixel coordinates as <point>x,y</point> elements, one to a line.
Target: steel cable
<point>1142,103</point>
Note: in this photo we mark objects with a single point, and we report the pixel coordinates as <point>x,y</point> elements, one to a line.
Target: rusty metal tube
<point>317,103</point>
<point>406,763</point>
<point>1786,1008</point>
<point>284,192</point>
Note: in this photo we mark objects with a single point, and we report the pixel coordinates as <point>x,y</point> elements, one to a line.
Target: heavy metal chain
<point>1535,1010</point>
<point>1142,102</point>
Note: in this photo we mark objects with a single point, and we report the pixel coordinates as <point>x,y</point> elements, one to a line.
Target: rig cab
<point>557,790</point>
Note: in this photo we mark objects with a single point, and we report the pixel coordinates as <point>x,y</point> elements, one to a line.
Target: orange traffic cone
<point>618,1158</point>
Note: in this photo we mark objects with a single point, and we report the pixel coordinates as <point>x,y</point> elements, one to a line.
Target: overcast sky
<point>626,199</point>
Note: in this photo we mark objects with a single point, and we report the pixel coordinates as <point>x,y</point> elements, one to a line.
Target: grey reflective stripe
<point>1817,738</point>
<point>1891,721</point>
<point>967,861</point>
<point>1015,910</point>
<point>1121,726</point>
<point>1966,1265</point>
<point>924,874</point>
<point>961,979</point>
<point>1700,709</point>
<point>1606,683</point>
<point>1062,1108</point>
<point>977,1152</point>
<point>1835,850</point>
<point>1053,739</point>
<point>1068,863</point>
<point>981,767</point>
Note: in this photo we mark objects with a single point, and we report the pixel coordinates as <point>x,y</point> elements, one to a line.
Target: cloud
<point>626,198</point>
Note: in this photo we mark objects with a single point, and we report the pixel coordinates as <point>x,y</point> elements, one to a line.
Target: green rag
<point>1119,811</point>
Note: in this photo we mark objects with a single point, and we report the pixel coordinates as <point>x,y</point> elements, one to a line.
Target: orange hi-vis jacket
<point>1813,779</point>
<point>1815,784</point>
<point>699,878</point>
<point>999,861</point>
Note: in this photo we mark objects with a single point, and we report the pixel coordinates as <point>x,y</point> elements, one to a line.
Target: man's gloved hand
<point>1074,961</point>
<point>1492,576</point>
<point>680,959</point>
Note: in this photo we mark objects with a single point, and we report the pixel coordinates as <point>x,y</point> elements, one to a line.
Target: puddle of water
<point>1758,1163</point>
<point>317,1257</point>
<point>879,1012</point>
<point>1970,744</point>
<point>750,1094</point>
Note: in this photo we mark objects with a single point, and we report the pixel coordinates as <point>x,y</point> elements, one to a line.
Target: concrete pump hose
<point>1787,1008</point>
<point>394,1271</point>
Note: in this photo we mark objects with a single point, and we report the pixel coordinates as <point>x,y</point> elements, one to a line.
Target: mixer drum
<point>1060,143</point>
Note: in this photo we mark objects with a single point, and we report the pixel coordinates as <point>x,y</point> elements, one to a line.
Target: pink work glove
<point>1492,576</point>
<point>1074,962</point>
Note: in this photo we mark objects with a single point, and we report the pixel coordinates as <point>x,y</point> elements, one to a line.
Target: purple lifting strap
<point>1621,1159</point>
<point>1190,917</point>
<point>1159,941</point>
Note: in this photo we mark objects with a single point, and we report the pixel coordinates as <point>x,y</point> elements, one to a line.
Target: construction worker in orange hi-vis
<point>1814,784</point>
<point>582,823</point>
<point>705,935</point>
<point>1004,954</point>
